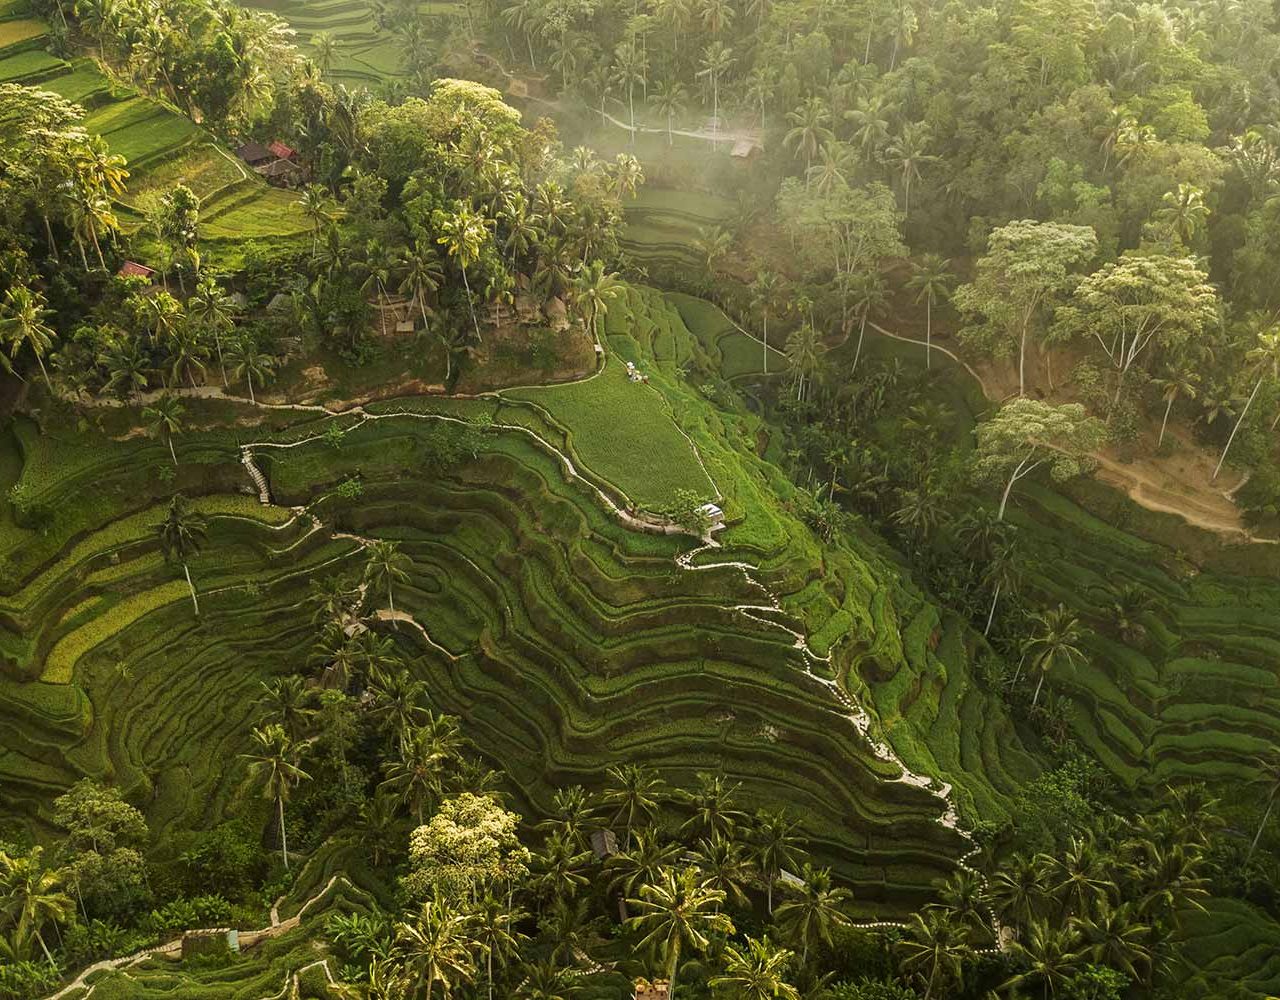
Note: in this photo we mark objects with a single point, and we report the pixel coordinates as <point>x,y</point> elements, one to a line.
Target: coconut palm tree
<point>676,913</point>
<point>31,897</point>
<point>560,868</point>
<point>934,949</point>
<point>1056,640</point>
<point>711,244</point>
<point>546,981</point>
<point>907,153</point>
<point>932,280</point>
<point>711,805</point>
<point>386,567</point>
<point>181,534</point>
<point>286,702</point>
<point>870,296</point>
<point>1177,382</point>
<point>870,119</point>
<point>756,972</point>
<point>273,764</point>
<point>635,795</point>
<point>416,773</point>
<point>1116,937</point>
<point>493,928</point>
<point>380,267</point>
<point>593,290</point>
<point>764,296</point>
<point>326,47</point>
<point>776,844</point>
<point>803,356</point>
<point>817,911</point>
<point>724,865</point>
<point>810,131</point>
<point>1268,776</point>
<point>1051,953</point>
<point>422,276</point>
<point>250,364</point>
<point>717,60</point>
<point>317,205</point>
<point>214,311</point>
<point>22,324</point>
<point>670,100</point>
<point>164,420</point>
<point>464,234</point>
<point>437,948</point>
<point>1265,360</point>
<point>398,700</point>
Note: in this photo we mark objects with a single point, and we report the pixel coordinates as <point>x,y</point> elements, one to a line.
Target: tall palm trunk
<point>1165,422</point>
<point>190,586</point>
<point>992,613</point>
<point>1235,429</point>
<point>284,841</point>
<point>471,303</point>
<point>1262,826</point>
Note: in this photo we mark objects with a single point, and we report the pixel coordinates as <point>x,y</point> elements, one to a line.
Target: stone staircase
<point>259,480</point>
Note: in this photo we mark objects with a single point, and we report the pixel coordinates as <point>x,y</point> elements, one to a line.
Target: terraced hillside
<point>566,638</point>
<point>662,225</point>
<point>368,50</point>
<point>163,147</point>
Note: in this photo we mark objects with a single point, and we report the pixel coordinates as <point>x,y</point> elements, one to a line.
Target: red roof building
<point>132,269</point>
<point>282,151</point>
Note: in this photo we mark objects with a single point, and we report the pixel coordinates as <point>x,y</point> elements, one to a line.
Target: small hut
<point>280,151</point>
<point>746,149</point>
<point>604,844</point>
<point>659,989</point>
<point>282,173</point>
<point>132,269</point>
<point>713,514</point>
<point>255,154</point>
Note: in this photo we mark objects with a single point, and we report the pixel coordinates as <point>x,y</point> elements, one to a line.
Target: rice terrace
<point>661,500</point>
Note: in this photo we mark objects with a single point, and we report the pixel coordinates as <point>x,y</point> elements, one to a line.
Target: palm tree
<point>756,972</point>
<point>325,46</point>
<point>1268,775</point>
<point>932,280</point>
<point>317,204</point>
<point>379,267</point>
<point>934,949</point>
<point>1081,877</point>
<point>764,296</point>
<point>181,535</point>
<point>775,845</point>
<point>670,100</point>
<point>274,765</point>
<point>1176,382</point>
<point>593,290</point>
<point>464,234</point>
<point>1019,891</point>
<point>1184,212</point>
<point>422,275</point>
<point>415,775</point>
<point>831,172</point>
<point>810,130</point>
<point>493,928</point>
<point>287,703</point>
<point>870,118</point>
<point>398,700</point>
<point>907,154</point>
<point>1056,640</point>
<point>30,897</point>
<point>635,794</point>
<point>870,296</point>
<point>546,981</point>
<point>215,311</point>
<point>1051,953</point>
<point>164,420</point>
<point>1116,937</point>
<point>724,866</point>
<point>677,912</point>
<point>386,567</point>
<point>711,244</point>
<point>1265,358</point>
<point>571,814</point>
<point>803,356</point>
<point>711,805</point>
<point>22,323</point>
<point>818,910</point>
<point>560,868</point>
<point>249,363</point>
<point>437,948</point>
<point>717,60</point>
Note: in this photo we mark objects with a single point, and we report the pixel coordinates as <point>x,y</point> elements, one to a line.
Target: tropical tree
<point>325,46</point>
<point>1051,954</point>
<point>907,153</point>
<point>316,202</point>
<point>931,279</point>
<point>678,914</point>
<point>436,946</point>
<point>1177,382</point>
<point>250,363</point>
<point>1269,776</point>
<point>421,277</point>
<point>869,296</point>
<point>724,866</point>
<point>464,234</point>
<point>416,774</point>
<point>1265,360</point>
<point>287,703</point>
<point>816,911</point>
<point>274,765</point>
<point>635,794</point>
<point>776,844</point>
<point>717,60</point>
<point>810,131</point>
<point>22,324</point>
<point>593,290</point>
<point>386,567</point>
<point>765,291</point>
<point>804,357</point>
<point>31,897</point>
<point>494,929</point>
<point>711,804</point>
<point>214,311</point>
<point>164,420</point>
<point>934,949</point>
<point>670,100</point>
<point>756,972</point>
<point>1056,641</point>
<point>181,534</point>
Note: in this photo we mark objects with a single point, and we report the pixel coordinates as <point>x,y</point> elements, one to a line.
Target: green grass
<point>20,34</point>
<point>30,67</point>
